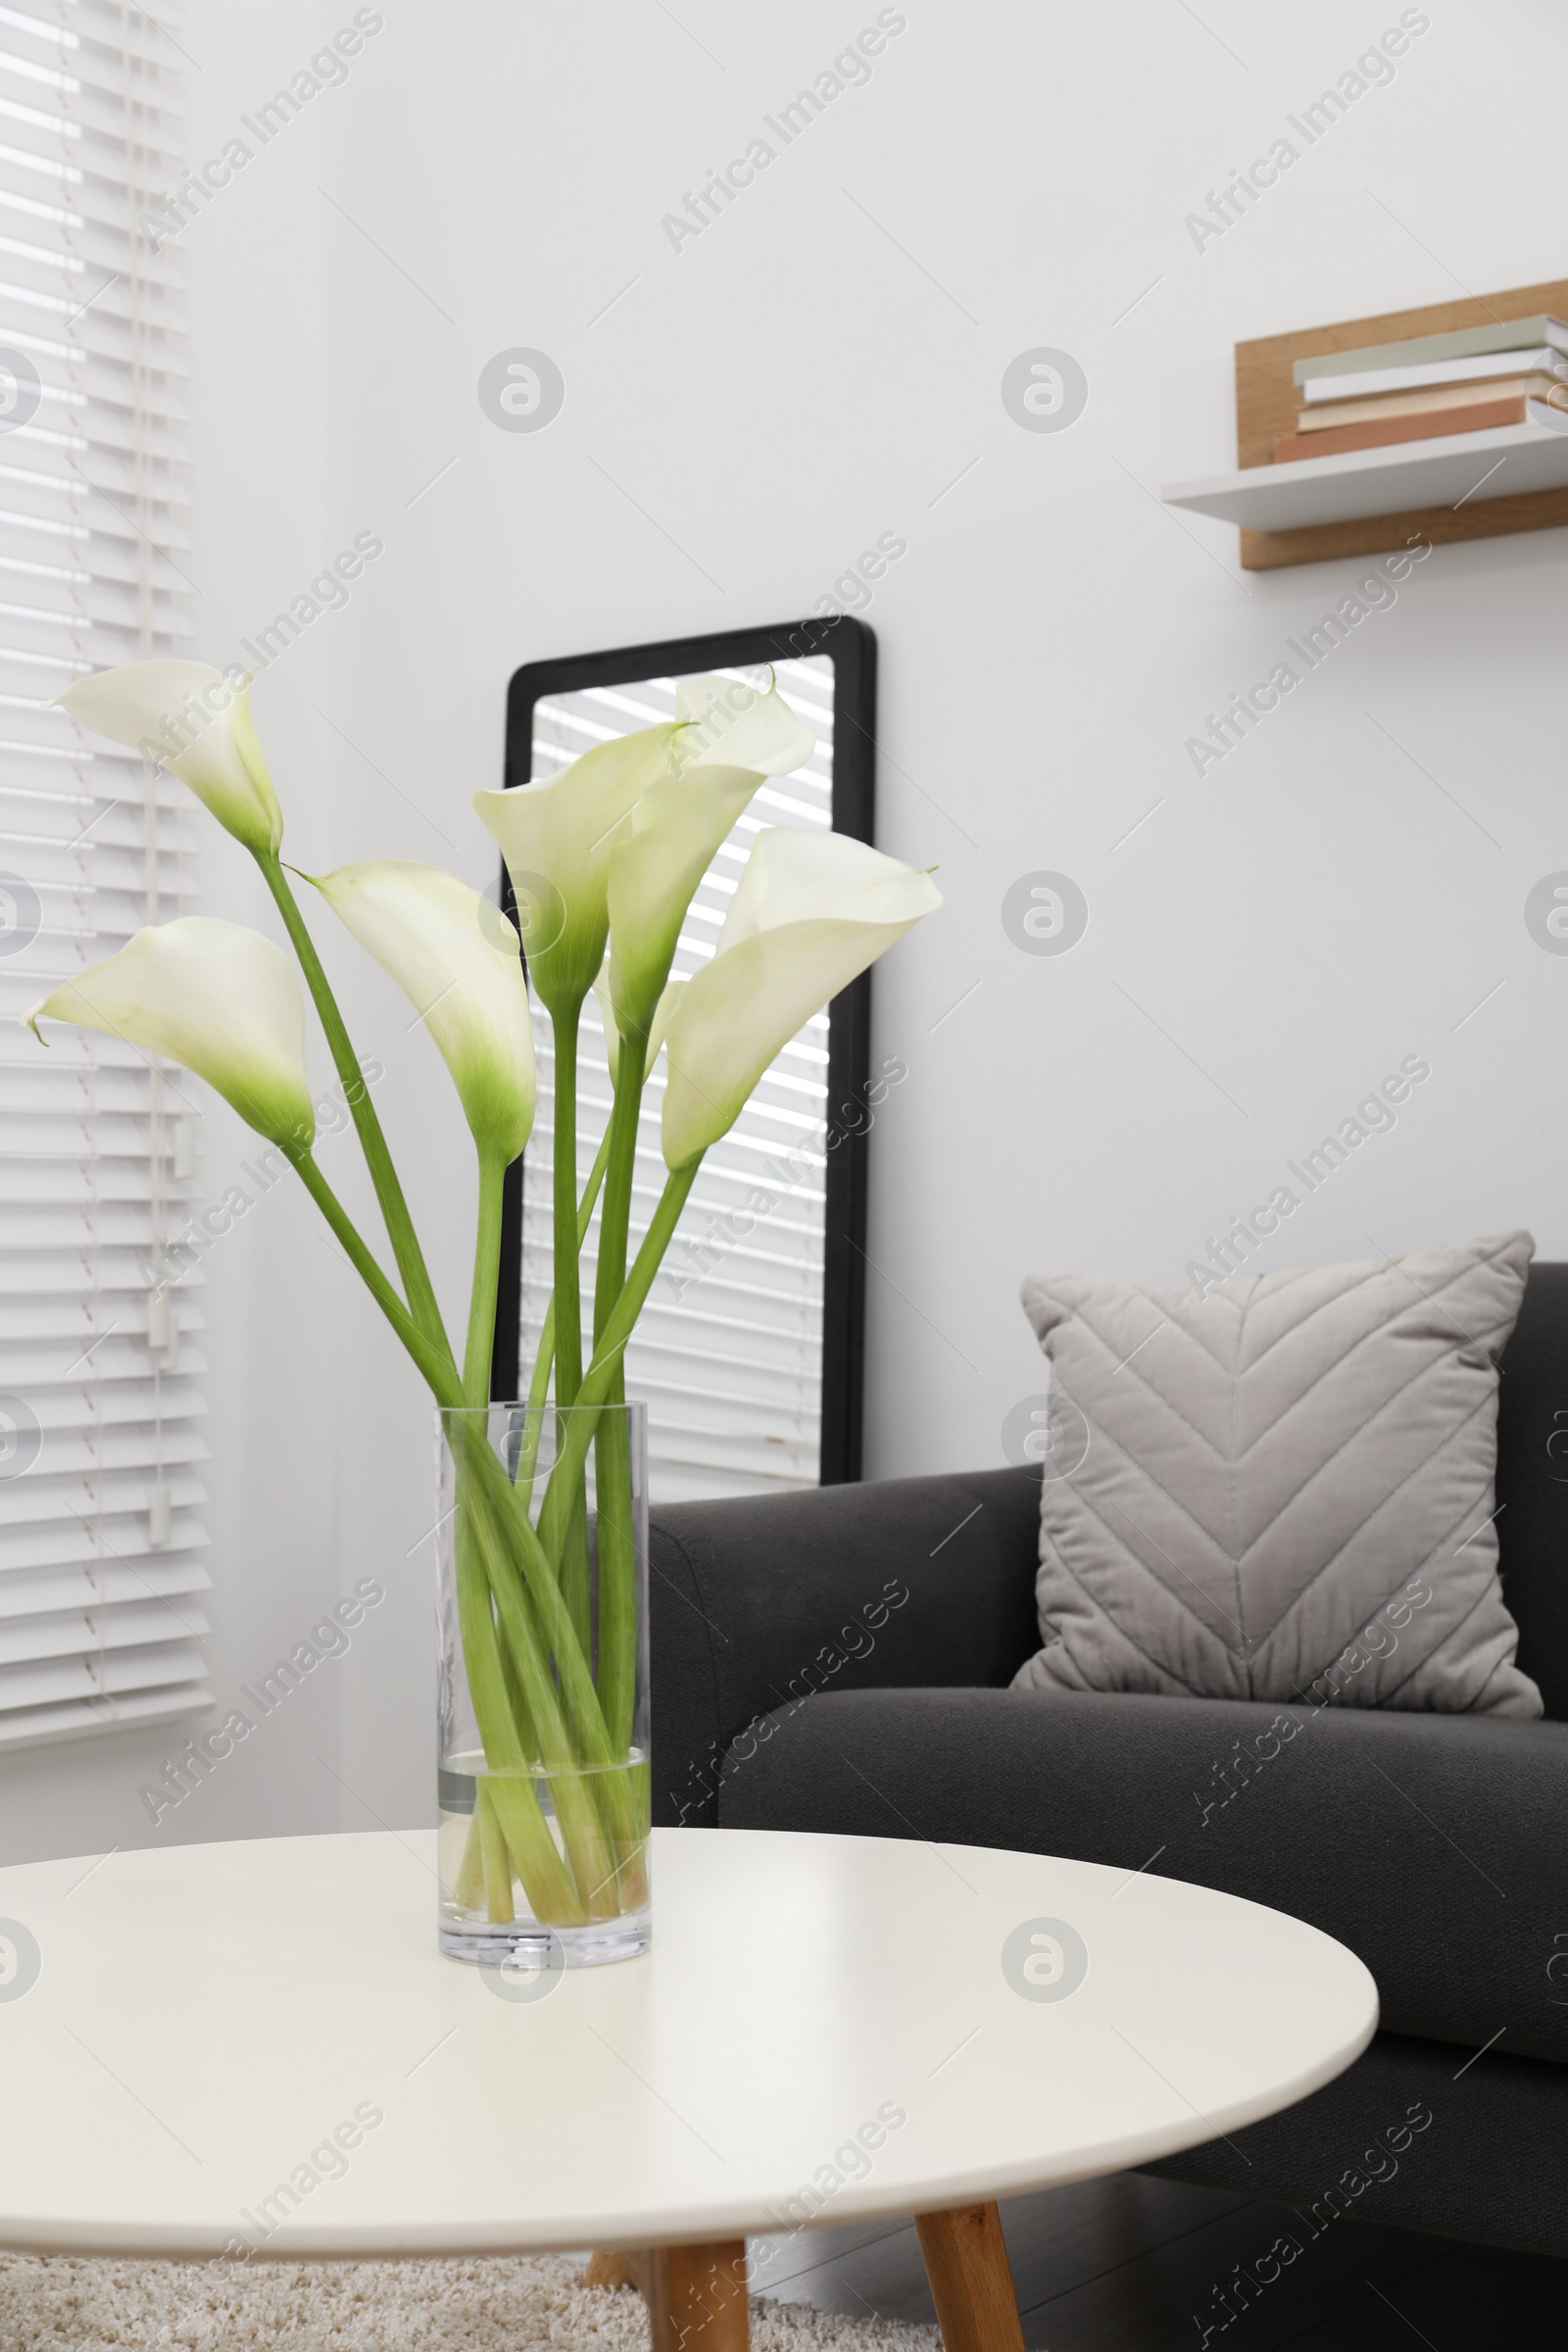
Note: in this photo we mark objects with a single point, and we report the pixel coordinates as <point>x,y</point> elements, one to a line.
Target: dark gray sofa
<point>838,1660</point>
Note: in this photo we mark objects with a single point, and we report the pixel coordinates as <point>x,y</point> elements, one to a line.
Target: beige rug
<point>524,2303</point>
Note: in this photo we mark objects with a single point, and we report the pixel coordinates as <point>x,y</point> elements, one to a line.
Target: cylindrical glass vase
<point>542,1614</point>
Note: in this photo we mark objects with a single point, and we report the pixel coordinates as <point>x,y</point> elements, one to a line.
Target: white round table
<point>249,2050</point>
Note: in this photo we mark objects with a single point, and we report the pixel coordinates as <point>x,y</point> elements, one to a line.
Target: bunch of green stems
<point>553,1693</point>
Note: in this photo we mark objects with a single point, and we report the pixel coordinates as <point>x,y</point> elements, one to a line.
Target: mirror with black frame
<point>749,1353</point>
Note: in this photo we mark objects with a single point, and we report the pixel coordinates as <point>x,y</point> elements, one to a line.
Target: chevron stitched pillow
<point>1287,1486</point>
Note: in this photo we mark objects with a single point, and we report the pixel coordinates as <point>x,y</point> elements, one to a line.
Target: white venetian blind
<point>727,1356</point>
<point>99,1539</point>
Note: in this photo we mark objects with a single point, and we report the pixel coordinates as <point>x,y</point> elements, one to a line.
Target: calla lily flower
<point>810,913</point>
<point>196,721</point>
<point>676,829</point>
<point>215,997</point>
<point>728,724</point>
<point>657,1027</point>
<point>458,960</point>
<point>558,839</point>
<point>734,737</point>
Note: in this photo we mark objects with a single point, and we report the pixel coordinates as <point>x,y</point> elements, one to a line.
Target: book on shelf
<point>1538,332</point>
<point>1536,385</point>
<point>1383,432</point>
<point>1362,383</point>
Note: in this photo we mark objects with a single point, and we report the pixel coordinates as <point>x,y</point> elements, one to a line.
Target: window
<point>100,1548</point>
<point>748,1354</point>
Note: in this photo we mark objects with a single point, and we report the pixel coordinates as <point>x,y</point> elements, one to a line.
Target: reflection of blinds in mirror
<point>727,1356</point>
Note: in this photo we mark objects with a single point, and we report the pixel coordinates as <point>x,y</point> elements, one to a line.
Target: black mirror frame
<point>851,647</point>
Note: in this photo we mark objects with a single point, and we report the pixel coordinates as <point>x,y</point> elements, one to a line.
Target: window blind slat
<point>72,1542</point>
<point>75,1719</point>
<point>53,1679</point>
<point>37,1501</point>
<point>85,1586</point>
<point>126,1624</point>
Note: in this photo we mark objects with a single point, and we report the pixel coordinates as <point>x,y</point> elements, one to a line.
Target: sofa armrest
<point>758,1600</point>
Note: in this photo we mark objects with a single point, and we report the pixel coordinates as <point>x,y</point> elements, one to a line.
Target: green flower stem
<point>546,1878</point>
<point>572,1572</point>
<point>486,1274</point>
<point>472,1577</point>
<point>616,1551</point>
<point>417,1284</point>
<point>568,1297</point>
<point>600,1375</point>
<point>539,1386</point>
<point>571,1552</point>
<point>522,1712</point>
<point>468,1887</point>
<point>495,1860</point>
<point>616,1664</point>
<point>546,1881</point>
<point>615,1222</point>
<point>638,1282</point>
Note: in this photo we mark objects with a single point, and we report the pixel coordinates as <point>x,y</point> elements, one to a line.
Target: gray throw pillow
<point>1282,1488</point>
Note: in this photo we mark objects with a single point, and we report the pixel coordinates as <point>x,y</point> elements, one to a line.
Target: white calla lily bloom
<point>734,736</point>
<point>729,724</point>
<point>458,960</point>
<point>195,721</point>
<point>215,997</point>
<point>677,827</point>
<point>558,839</point>
<point>810,913</point>
<point>657,1027</point>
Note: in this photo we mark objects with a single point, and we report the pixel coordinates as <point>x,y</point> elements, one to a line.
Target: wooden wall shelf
<point>1317,508</point>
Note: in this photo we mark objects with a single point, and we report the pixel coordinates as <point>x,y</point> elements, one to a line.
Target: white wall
<point>754,410</point>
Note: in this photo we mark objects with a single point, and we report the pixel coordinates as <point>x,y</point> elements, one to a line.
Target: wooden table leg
<point>611,2270</point>
<point>972,2285</point>
<point>696,2295</point>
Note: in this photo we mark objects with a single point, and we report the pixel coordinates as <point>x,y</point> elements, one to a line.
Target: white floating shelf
<point>1393,480</point>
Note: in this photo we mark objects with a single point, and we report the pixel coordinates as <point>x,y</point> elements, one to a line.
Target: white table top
<point>204,2018</point>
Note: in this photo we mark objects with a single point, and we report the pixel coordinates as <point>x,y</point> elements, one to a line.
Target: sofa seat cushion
<point>1493,2170</point>
<point>1435,1847</point>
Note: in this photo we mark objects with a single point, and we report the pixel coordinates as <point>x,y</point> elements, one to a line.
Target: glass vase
<point>541,1617</point>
